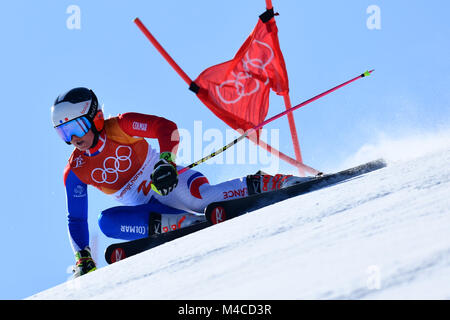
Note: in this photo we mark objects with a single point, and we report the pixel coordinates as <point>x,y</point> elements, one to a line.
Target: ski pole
<point>262,124</point>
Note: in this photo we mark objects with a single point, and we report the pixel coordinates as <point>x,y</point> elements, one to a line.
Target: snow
<point>384,235</point>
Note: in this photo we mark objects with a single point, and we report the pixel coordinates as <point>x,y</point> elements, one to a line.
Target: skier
<point>113,156</point>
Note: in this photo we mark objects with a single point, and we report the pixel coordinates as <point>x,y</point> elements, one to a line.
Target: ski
<point>119,251</point>
<point>217,212</point>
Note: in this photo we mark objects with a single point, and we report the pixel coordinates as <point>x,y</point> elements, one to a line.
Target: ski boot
<point>262,182</point>
<point>162,223</point>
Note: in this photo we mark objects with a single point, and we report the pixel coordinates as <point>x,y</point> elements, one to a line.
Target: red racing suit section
<point>121,156</point>
<point>153,127</point>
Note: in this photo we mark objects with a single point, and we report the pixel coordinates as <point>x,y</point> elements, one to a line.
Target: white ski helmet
<point>75,113</point>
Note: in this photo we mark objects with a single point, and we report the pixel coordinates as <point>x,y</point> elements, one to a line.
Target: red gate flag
<point>237,91</point>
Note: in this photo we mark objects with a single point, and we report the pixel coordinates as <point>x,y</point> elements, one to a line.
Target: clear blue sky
<point>324,43</point>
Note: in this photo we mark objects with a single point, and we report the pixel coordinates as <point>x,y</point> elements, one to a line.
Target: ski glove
<point>85,263</point>
<point>164,176</point>
<point>168,156</point>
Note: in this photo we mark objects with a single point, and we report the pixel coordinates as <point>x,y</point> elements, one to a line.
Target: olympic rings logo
<point>243,81</point>
<point>112,166</point>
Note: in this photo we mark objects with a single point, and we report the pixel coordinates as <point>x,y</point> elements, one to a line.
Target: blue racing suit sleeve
<point>77,206</point>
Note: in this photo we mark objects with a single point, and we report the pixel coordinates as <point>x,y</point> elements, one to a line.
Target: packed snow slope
<point>384,235</point>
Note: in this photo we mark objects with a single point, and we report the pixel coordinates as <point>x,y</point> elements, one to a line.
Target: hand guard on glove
<point>165,175</point>
<point>84,264</point>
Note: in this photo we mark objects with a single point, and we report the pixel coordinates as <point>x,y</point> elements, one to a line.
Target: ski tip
<point>377,164</point>
<point>382,162</point>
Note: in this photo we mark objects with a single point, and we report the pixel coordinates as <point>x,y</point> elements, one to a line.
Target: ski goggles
<point>76,127</point>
